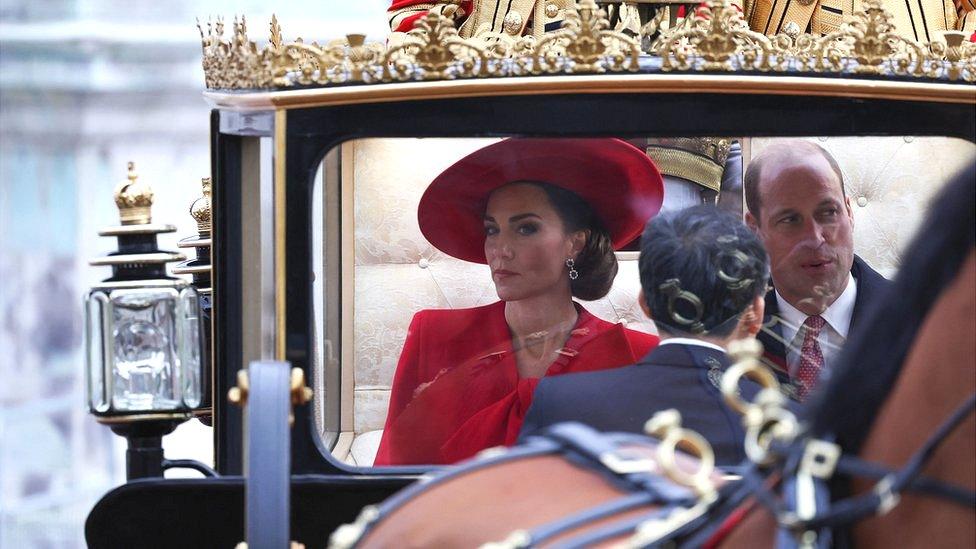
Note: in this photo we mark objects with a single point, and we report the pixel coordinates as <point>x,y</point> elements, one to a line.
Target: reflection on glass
<point>95,346</point>
<point>146,372</point>
<point>547,235</point>
<point>188,329</point>
<point>391,268</point>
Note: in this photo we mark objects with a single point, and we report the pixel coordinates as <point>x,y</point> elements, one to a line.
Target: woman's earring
<point>573,273</point>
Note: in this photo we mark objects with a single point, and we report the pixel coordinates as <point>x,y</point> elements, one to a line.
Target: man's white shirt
<point>838,323</point>
<point>690,341</point>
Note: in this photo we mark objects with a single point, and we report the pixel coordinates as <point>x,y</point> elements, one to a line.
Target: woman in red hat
<point>545,215</point>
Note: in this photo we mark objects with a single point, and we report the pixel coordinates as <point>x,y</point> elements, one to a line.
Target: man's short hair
<point>700,268</point>
<point>794,148</point>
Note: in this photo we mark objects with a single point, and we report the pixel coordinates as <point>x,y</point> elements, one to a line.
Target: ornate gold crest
<point>714,38</point>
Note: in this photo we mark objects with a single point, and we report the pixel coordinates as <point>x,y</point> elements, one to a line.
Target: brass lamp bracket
<point>300,393</point>
<point>238,395</point>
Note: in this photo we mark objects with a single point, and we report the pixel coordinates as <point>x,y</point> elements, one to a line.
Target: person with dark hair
<point>796,203</point>
<point>546,216</point>
<point>703,276</point>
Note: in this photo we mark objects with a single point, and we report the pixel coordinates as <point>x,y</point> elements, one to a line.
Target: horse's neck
<point>939,374</point>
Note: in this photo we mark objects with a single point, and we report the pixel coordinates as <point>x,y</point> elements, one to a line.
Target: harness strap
<point>885,494</point>
<point>548,531</point>
<point>370,516</point>
<point>608,453</point>
<point>732,512</point>
<point>637,472</point>
<point>856,467</point>
<point>616,529</point>
<point>727,526</point>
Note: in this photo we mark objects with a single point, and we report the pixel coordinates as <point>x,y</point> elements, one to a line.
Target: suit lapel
<point>870,284</point>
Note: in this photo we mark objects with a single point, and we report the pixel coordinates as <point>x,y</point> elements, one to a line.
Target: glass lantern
<point>143,349</point>
<point>143,333</point>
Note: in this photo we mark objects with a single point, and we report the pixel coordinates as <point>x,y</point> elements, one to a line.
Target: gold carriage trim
<point>715,39</point>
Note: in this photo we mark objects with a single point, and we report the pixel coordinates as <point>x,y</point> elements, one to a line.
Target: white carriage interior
<point>389,271</point>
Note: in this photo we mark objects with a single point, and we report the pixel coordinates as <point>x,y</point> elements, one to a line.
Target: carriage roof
<point>713,52</point>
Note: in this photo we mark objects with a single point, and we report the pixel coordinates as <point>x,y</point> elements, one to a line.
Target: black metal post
<point>144,458</point>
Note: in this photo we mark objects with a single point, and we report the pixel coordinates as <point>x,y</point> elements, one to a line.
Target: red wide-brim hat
<point>618,180</point>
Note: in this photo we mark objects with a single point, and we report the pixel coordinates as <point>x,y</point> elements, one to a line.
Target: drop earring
<point>571,265</point>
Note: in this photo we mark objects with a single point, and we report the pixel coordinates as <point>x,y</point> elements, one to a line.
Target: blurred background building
<point>86,86</point>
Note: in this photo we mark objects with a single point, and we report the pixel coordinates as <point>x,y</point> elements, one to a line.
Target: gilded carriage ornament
<point>714,38</point>
<point>588,45</point>
<point>435,51</point>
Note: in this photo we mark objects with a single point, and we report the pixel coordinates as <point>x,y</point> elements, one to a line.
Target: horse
<point>882,455</point>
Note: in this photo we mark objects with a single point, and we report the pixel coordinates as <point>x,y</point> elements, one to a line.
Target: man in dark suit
<point>797,205</point>
<point>703,275</point>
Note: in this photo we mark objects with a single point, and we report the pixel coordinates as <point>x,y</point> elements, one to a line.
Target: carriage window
<point>421,246</point>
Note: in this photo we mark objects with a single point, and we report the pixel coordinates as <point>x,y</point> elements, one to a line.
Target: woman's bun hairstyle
<point>596,262</point>
<point>597,266</point>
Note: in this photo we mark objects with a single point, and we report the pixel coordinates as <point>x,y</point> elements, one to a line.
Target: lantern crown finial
<point>200,210</point>
<point>134,199</point>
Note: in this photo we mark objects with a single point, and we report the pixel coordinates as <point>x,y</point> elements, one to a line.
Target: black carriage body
<point>301,126</point>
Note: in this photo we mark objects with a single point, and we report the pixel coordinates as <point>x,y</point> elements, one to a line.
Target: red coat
<point>404,13</point>
<point>457,391</point>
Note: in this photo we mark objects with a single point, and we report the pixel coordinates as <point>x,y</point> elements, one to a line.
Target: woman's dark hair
<point>596,263</point>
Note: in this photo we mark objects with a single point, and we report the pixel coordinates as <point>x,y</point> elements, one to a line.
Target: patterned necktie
<point>811,355</point>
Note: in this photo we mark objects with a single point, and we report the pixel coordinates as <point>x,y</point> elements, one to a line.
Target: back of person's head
<point>700,268</point>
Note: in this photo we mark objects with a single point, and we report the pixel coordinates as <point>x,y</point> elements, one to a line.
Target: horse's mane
<point>872,359</point>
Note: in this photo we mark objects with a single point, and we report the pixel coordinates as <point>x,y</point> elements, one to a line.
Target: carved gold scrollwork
<point>586,45</point>
<point>234,63</point>
<point>714,38</point>
<point>434,51</point>
<point>869,45</point>
<point>959,54</point>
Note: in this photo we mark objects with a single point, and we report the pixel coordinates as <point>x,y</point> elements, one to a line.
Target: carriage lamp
<point>199,268</point>
<point>143,335</point>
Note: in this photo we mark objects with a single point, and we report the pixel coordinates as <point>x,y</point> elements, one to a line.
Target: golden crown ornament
<point>200,210</point>
<point>134,199</point>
